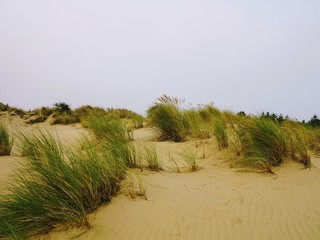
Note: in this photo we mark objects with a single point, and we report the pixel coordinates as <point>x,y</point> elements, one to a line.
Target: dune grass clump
<point>169,118</point>
<point>39,115</point>
<point>56,186</point>
<point>263,143</point>
<point>5,141</point>
<point>298,139</point>
<point>220,132</point>
<point>87,110</point>
<point>190,158</point>
<point>312,137</point>
<point>135,186</point>
<point>17,111</point>
<point>197,127</point>
<point>112,133</point>
<point>174,162</point>
<point>66,119</point>
<point>208,112</point>
<point>151,157</point>
<point>134,119</point>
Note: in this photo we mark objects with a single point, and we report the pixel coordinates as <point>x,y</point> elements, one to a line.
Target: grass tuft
<point>151,156</point>
<point>169,119</point>
<point>190,158</point>
<point>112,132</point>
<point>5,141</point>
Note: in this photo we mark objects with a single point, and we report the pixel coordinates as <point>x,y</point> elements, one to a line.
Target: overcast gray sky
<point>242,55</point>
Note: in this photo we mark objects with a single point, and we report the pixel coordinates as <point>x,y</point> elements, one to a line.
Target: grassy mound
<point>59,185</point>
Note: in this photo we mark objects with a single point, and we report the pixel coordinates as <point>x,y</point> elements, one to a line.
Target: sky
<point>250,56</point>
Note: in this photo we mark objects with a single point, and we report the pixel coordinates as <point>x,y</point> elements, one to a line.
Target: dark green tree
<point>62,107</point>
<point>314,121</point>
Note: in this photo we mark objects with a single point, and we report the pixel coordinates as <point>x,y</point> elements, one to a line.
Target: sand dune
<point>215,202</point>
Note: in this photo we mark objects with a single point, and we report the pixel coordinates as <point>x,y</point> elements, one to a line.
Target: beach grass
<point>220,132</point>
<point>5,140</point>
<point>190,158</point>
<point>114,136</point>
<point>58,185</point>
<point>169,118</point>
<point>150,155</point>
<point>263,141</point>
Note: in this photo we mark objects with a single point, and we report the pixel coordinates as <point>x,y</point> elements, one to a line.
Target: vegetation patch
<point>113,135</point>
<point>5,140</point>
<point>60,185</point>
<point>169,118</point>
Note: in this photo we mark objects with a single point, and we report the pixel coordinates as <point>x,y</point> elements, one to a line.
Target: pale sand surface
<point>216,202</point>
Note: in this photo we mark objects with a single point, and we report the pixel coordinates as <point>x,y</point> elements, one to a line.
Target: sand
<point>215,202</point>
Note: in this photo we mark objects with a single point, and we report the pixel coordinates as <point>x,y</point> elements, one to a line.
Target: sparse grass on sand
<point>5,140</point>
<point>135,186</point>
<point>59,185</point>
<point>190,158</point>
<point>151,156</point>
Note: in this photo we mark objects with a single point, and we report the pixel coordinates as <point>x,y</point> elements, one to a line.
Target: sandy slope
<point>215,202</point>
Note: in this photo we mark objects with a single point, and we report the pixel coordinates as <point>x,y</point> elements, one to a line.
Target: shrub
<point>62,107</point>
<point>314,121</point>
<point>4,107</point>
<point>57,186</point>
<point>5,141</point>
